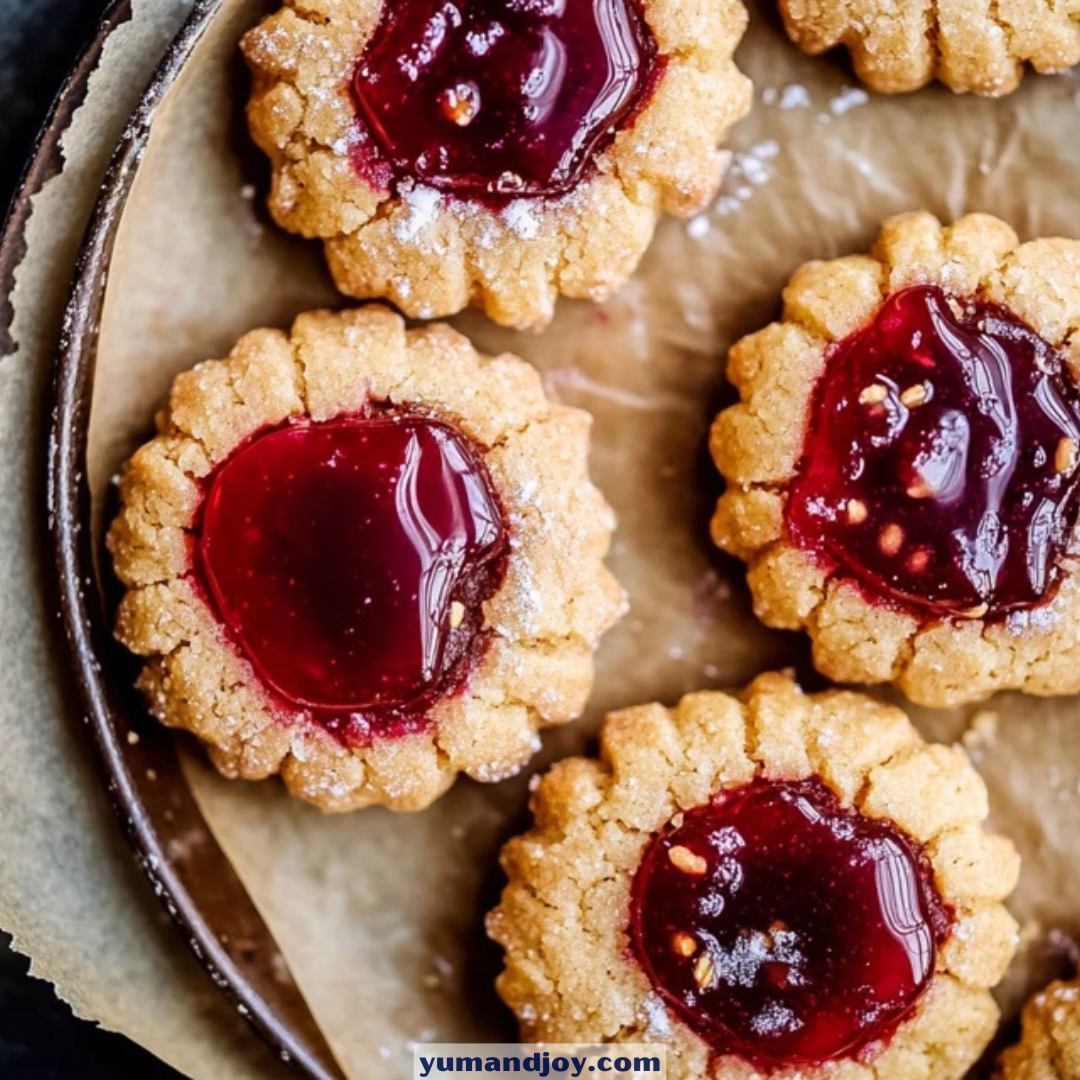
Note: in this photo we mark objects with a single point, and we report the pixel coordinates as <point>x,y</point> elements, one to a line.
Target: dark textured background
<point>39,1037</point>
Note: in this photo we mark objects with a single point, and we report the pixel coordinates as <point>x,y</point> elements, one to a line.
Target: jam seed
<point>1065,456</point>
<point>874,394</point>
<point>683,944</point>
<point>686,861</point>
<point>917,561</point>
<point>457,614</point>
<point>920,490</point>
<point>976,612</point>
<point>891,538</point>
<point>914,395</point>
<point>460,103</point>
<point>705,972</point>
<point>856,511</point>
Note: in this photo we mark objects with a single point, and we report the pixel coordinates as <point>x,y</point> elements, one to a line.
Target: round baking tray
<point>195,883</point>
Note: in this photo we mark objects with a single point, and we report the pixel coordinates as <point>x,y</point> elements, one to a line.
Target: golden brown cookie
<point>902,467</point>
<point>774,884</point>
<point>497,154</point>
<point>978,47</point>
<point>1049,1046</point>
<point>364,557</point>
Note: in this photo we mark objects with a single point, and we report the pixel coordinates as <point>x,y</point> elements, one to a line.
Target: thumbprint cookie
<point>972,47</point>
<point>496,152</point>
<point>364,557</point>
<point>903,468</point>
<point>1049,1046</point>
<point>775,884</point>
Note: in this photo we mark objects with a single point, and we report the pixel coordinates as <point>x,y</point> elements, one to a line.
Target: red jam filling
<point>349,560</point>
<point>784,928</point>
<point>940,464</point>
<point>500,98</point>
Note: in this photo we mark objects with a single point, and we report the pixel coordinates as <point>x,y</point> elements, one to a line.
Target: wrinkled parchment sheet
<point>69,890</point>
<point>380,916</point>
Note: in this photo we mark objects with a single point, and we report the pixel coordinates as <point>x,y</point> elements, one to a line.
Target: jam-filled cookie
<point>496,152</point>
<point>777,884</point>
<point>1049,1046</point>
<point>972,47</point>
<point>364,558</point>
<point>904,466</point>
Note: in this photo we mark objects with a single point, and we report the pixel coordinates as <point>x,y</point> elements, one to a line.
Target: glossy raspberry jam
<point>783,928</point>
<point>940,464</point>
<point>349,559</point>
<point>500,98</point>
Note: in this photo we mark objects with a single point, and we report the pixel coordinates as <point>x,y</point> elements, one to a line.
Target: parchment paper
<point>69,891</point>
<point>380,916</point>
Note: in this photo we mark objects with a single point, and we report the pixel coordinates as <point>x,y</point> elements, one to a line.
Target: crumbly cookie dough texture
<point>757,445</point>
<point>433,255</point>
<point>1049,1046</point>
<point>976,46</point>
<point>564,915</point>
<point>543,623</point>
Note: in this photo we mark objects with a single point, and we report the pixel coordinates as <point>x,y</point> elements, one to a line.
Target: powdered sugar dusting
<point>775,1019</point>
<point>658,1021</point>
<point>749,169</point>
<point>348,142</point>
<point>521,218</point>
<point>423,208</point>
<point>753,165</point>
<point>850,97</point>
<point>741,964</point>
<point>792,96</point>
<point>698,226</point>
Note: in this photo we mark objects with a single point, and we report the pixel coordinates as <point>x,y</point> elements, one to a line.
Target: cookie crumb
<point>597,819</point>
